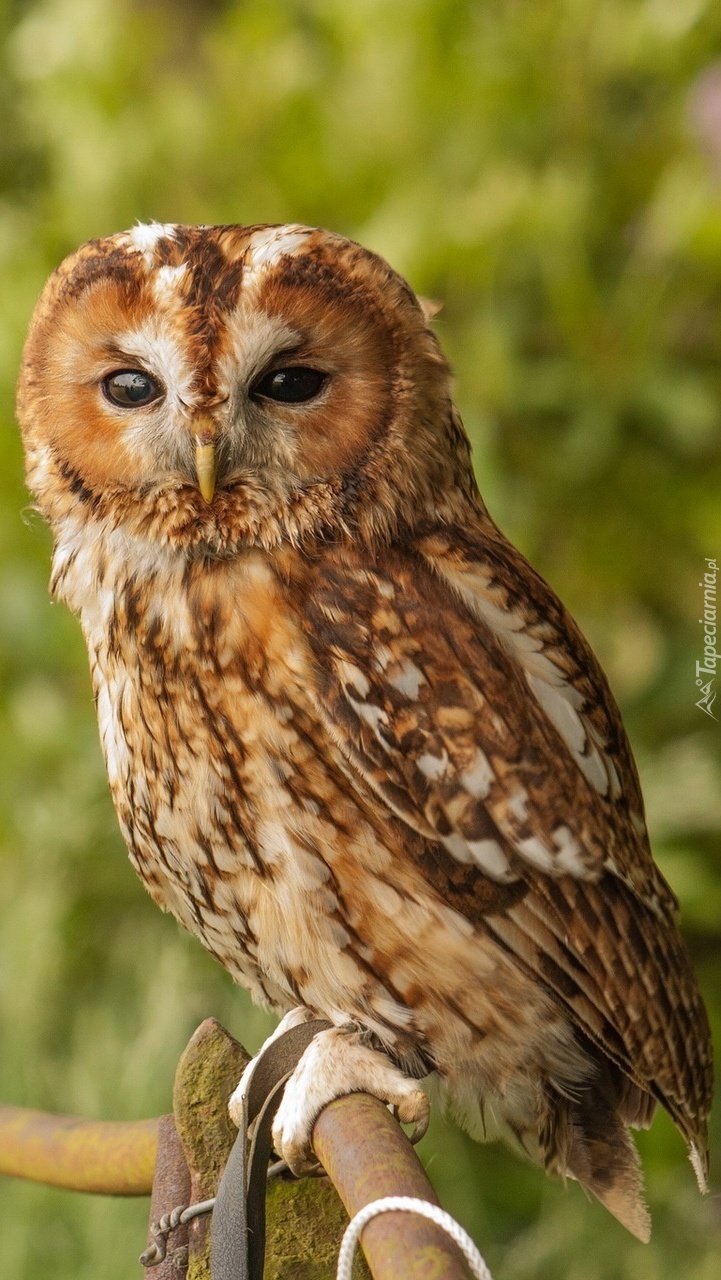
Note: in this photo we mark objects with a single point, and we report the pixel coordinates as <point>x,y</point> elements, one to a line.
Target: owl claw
<point>417,1116</point>
<point>337,1063</point>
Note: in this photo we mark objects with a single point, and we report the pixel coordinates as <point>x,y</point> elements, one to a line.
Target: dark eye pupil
<point>292,385</point>
<point>130,387</point>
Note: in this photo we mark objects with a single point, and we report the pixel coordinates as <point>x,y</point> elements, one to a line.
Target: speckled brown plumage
<point>355,742</point>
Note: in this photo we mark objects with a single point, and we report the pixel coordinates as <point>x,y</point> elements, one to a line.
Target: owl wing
<point>466,697</point>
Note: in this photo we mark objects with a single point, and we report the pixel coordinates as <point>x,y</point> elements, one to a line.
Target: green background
<point>551,170</point>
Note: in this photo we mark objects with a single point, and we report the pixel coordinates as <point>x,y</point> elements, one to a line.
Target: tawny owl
<point>356,744</point>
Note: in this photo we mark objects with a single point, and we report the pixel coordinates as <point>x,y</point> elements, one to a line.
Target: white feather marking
<point>475,587</point>
<point>595,770</point>
<point>576,733</point>
<point>698,1168</point>
<point>560,712</point>
<point>165,284</point>
<point>398,1015</point>
<point>146,235</point>
<point>352,675</point>
<point>408,680</point>
<point>453,919</point>
<point>387,898</point>
<point>368,711</point>
<point>537,663</point>
<point>537,852</point>
<point>41,466</point>
<point>115,749</point>
<point>458,847</point>
<point>252,340</point>
<point>162,354</point>
<point>614,782</point>
<point>433,767</point>
<point>383,656</point>
<point>518,805</point>
<point>569,854</point>
<point>477,780</point>
<point>560,700</point>
<point>490,857</point>
<point>266,247</point>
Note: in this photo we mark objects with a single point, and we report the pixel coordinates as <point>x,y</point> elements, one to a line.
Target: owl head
<point>218,385</point>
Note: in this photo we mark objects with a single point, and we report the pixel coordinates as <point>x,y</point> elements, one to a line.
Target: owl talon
<point>337,1063</point>
<point>419,1122</point>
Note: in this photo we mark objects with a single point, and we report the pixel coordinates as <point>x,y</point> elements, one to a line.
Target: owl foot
<point>336,1063</point>
<point>235,1102</point>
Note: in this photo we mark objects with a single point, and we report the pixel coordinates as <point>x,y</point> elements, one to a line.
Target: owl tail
<point>587,1139</point>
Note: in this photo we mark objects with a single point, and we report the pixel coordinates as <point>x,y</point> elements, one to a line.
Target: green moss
<point>306,1221</point>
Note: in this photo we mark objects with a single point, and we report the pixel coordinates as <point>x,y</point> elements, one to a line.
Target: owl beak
<point>205,460</point>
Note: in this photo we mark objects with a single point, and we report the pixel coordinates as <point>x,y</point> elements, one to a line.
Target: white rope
<point>426,1210</point>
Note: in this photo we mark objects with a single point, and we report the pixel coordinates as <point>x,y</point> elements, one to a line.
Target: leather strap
<point>237,1247</point>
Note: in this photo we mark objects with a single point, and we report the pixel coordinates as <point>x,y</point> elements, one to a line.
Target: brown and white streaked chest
<point>234,800</point>
<point>196,668</point>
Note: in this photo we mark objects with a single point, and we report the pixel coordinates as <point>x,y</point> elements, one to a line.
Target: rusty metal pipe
<point>114,1158</point>
<point>171,1189</point>
<point>360,1145</point>
<point>367,1156</point>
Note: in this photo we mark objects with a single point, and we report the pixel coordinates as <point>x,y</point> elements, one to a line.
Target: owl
<point>356,744</point>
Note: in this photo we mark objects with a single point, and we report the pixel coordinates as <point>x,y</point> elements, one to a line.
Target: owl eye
<point>131,388</point>
<point>291,386</point>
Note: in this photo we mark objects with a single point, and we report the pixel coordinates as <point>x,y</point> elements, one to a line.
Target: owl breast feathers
<point>355,743</point>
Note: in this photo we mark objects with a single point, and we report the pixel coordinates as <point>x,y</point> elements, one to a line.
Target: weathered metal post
<point>359,1144</point>
<point>171,1188</point>
<point>305,1219</point>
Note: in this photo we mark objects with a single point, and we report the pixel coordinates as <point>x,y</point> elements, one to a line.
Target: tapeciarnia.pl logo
<point>710,655</point>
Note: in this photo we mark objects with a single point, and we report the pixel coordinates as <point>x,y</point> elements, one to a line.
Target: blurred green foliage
<point>551,170</point>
